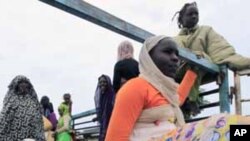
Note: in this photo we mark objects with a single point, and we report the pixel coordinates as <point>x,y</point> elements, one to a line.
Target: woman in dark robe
<point>126,66</point>
<point>21,116</point>
<point>48,111</point>
<point>104,99</point>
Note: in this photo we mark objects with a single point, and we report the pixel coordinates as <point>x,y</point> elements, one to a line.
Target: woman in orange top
<point>147,107</point>
<point>158,62</point>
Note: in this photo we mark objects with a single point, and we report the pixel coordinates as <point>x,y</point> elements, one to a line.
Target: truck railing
<point>106,20</point>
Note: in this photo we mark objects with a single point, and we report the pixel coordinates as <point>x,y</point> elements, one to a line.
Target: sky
<point>61,53</point>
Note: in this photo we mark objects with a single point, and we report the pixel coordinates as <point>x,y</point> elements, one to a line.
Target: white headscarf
<point>125,50</point>
<point>166,85</point>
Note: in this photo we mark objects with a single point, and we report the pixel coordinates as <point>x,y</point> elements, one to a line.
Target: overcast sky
<point>62,53</point>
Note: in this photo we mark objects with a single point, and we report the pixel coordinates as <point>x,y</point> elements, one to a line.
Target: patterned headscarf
<point>21,116</point>
<point>166,85</point>
<point>125,50</point>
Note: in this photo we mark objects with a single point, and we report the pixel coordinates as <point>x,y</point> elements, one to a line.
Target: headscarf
<point>47,108</point>
<point>21,116</point>
<point>48,111</point>
<point>125,50</point>
<point>166,85</point>
<point>104,106</point>
<point>109,93</point>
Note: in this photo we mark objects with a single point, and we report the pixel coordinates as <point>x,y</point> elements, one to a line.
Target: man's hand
<point>70,102</point>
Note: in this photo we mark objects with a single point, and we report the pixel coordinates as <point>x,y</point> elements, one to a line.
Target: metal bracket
<point>232,94</point>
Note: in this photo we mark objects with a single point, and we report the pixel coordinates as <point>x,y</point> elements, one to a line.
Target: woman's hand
<point>54,134</point>
<point>94,119</point>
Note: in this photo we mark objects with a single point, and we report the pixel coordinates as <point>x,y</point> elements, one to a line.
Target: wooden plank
<point>97,16</point>
<point>245,100</point>
<point>238,106</point>
<point>244,72</point>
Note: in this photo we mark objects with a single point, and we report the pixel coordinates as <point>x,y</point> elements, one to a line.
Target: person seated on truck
<point>205,42</point>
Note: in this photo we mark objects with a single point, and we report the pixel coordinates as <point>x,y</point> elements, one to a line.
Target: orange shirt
<point>135,96</point>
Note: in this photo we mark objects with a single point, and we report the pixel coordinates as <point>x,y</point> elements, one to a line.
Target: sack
<point>150,131</point>
<point>47,124</point>
<point>48,136</point>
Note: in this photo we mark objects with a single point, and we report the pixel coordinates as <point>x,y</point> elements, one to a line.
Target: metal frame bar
<point>210,105</point>
<point>209,92</point>
<point>84,114</point>
<point>97,16</point>
<point>196,119</point>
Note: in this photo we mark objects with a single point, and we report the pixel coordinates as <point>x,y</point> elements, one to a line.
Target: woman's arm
<point>66,120</point>
<point>128,106</point>
<point>116,77</point>
<point>186,85</point>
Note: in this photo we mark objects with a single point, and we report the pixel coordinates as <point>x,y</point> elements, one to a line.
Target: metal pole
<point>99,17</point>
<point>224,91</point>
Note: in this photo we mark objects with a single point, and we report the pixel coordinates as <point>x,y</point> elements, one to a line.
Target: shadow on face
<point>103,84</point>
<point>23,88</point>
<point>166,57</point>
<point>45,101</point>
<point>67,98</point>
<point>190,16</point>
